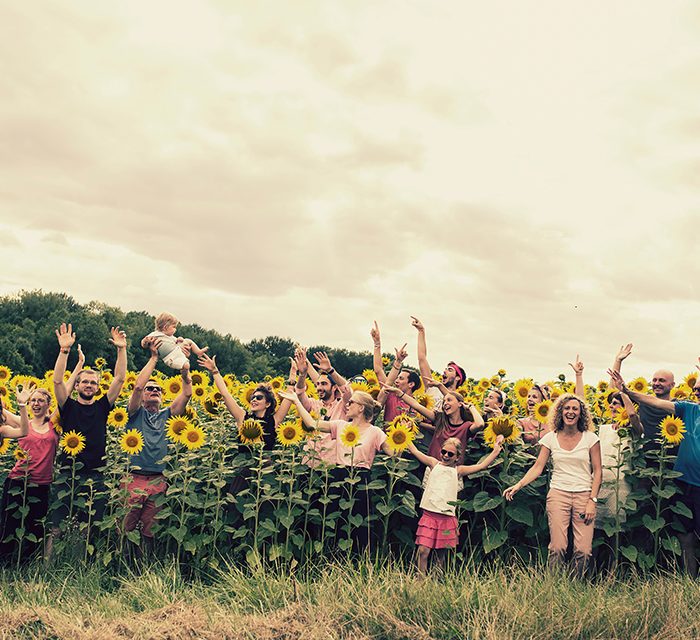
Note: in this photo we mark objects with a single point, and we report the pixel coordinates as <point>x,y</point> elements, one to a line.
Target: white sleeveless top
<point>441,487</point>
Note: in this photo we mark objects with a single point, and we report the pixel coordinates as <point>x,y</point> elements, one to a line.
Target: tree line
<point>28,345</point>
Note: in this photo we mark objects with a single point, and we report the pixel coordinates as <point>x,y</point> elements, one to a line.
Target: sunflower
<point>130,379</point>
<point>399,437</point>
<point>5,445</point>
<point>211,406</point>
<point>278,383</point>
<point>198,377</point>
<point>193,437</point>
<point>484,384</point>
<point>107,377</point>
<point>290,433</point>
<point>672,429</point>
<point>640,385</point>
<point>360,386</point>
<point>21,455</point>
<point>245,392</point>
<point>495,380</point>
<point>404,421</point>
<point>541,410</point>
<point>172,387</point>
<point>602,386</point>
<point>350,435</point>
<point>200,393</point>
<point>131,441</point>
<point>4,393</point>
<point>117,417</point>
<point>176,425</point>
<point>72,443</point>
<point>690,380</point>
<point>385,360</point>
<point>681,392</point>
<point>425,400</point>
<point>463,390</point>
<point>521,388</point>
<point>250,431</point>
<point>5,373</point>
<point>501,426</point>
<point>371,377</point>
<point>100,363</point>
<point>621,417</point>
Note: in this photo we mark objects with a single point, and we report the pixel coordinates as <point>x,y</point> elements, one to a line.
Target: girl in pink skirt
<point>438,527</point>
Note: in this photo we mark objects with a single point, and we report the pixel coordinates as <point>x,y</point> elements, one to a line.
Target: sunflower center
<point>289,433</point>
<point>399,437</point>
<point>192,436</point>
<point>132,441</point>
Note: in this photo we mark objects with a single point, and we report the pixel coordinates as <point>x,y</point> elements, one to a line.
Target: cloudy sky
<point>524,177</point>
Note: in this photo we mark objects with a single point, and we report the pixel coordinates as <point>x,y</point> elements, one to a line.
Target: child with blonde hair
<point>438,527</point>
<point>170,346</point>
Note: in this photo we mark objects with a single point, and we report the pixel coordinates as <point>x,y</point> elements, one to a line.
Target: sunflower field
<point>229,500</point>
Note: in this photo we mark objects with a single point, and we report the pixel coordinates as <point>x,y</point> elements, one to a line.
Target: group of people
<point>448,426</point>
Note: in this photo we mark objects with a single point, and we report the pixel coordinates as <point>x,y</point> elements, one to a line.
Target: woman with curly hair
<point>573,492</point>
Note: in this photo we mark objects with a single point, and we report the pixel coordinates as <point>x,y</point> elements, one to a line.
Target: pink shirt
<point>393,406</point>
<point>371,441</point>
<point>41,448</point>
<point>323,444</point>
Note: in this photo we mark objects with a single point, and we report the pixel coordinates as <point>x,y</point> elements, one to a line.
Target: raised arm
<point>410,401</point>
<point>423,366</point>
<point>325,367</point>
<point>70,384</point>
<point>428,461</point>
<point>22,393</point>
<point>177,408</point>
<point>478,418</point>
<point>143,377</point>
<point>623,352</point>
<point>401,355</point>
<point>118,339</point>
<point>466,469</point>
<point>66,338</point>
<point>632,413</point>
<point>617,381</point>
<point>309,421</point>
<point>283,409</point>
<point>580,389</point>
<point>533,473</point>
<point>209,363</point>
<point>377,363</point>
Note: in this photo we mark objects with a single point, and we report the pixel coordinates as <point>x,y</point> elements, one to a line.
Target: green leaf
<point>483,502</point>
<point>356,520</point>
<point>666,492</point>
<point>629,552</point>
<point>134,536</point>
<point>376,484</point>
<point>344,544</point>
<point>520,513</point>
<point>672,544</point>
<point>681,510</point>
<point>493,539</point>
<point>653,524</point>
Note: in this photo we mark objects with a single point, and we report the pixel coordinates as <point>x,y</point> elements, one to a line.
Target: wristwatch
<point>594,499</point>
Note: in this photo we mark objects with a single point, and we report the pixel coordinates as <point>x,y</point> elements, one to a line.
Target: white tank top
<point>440,488</point>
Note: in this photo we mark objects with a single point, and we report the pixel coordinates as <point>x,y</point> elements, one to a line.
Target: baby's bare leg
<point>193,347</point>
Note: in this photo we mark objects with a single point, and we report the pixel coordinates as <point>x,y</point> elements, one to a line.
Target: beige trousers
<point>564,508</point>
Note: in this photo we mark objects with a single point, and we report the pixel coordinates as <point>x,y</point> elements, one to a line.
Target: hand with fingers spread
<point>577,366</point>
<point>23,393</point>
<point>624,351</point>
<point>118,338</point>
<point>154,344</point>
<point>617,382</point>
<point>65,336</point>
<point>208,362</point>
<point>301,361</point>
<point>401,354</point>
<point>323,362</point>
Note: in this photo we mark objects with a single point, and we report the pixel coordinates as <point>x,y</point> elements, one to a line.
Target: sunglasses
<point>257,396</point>
<point>449,454</point>
<point>153,389</point>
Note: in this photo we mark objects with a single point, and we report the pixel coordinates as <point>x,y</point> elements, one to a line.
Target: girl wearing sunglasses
<point>438,527</point>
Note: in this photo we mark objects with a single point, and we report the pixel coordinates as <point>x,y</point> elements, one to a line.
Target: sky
<point>523,177</point>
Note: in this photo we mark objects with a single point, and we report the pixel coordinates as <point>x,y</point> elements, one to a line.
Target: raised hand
<point>118,338</point>
<point>208,362</point>
<point>288,396</point>
<point>154,344</point>
<point>624,351</point>
<point>577,366</point>
<point>389,389</point>
<point>374,332</point>
<point>301,361</point>
<point>81,357</point>
<point>23,392</point>
<point>616,381</point>
<point>429,381</point>
<point>415,322</point>
<point>323,361</point>
<point>401,354</point>
<point>65,336</point>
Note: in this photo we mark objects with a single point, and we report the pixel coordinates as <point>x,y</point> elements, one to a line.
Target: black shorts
<point>690,497</point>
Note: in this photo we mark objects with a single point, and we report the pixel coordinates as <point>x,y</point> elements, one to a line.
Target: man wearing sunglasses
<point>87,415</point>
<point>147,416</point>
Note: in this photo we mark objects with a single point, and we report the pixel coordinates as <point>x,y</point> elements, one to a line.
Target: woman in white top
<point>573,493</point>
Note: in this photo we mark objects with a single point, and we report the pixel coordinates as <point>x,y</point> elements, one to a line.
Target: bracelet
<point>21,405</point>
<point>67,350</point>
<point>395,367</point>
<point>403,393</point>
<point>214,372</point>
<point>291,382</point>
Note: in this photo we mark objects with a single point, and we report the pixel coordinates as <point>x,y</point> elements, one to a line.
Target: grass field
<point>359,601</point>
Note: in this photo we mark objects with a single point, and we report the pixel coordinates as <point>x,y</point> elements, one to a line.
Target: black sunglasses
<point>449,454</point>
<point>158,389</point>
<point>257,396</point>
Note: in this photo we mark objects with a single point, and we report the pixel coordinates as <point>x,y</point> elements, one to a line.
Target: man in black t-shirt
<point>86,416</point>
